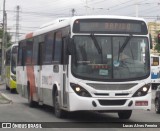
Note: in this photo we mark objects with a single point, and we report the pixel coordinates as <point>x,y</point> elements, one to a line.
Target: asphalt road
<point>19,111</point>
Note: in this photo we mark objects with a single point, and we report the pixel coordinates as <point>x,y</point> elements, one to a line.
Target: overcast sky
<point>34,13</point>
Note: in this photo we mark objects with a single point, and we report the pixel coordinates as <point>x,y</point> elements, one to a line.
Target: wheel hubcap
<point>156,106</point>
<point>56,104</point>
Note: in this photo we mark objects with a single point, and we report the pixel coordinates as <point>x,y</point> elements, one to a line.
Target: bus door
<point>23,72</point>
<point>59,69</point>
<point>39,71</point>
<point>65,69</point>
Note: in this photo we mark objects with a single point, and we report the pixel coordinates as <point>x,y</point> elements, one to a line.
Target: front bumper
<point>78,103</point>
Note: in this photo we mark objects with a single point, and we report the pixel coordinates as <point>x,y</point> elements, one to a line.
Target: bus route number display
<point>108,26</point>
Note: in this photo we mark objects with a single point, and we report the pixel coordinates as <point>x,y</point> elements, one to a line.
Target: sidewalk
<point>3,98</point>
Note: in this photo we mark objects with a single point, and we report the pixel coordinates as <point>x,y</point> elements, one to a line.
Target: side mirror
<point>150,40</point>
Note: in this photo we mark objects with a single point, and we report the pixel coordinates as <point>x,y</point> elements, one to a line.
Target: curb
<point>6,97</point>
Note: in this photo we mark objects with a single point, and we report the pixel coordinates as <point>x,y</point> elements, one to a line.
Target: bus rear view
<point>155,71</point>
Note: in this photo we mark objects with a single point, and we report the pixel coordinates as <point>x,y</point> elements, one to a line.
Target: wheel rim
<point>156,105</point>
<point>57,110</point>
<point>29,98</point>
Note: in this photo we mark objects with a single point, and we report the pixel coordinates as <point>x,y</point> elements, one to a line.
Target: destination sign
<point>109,26</point>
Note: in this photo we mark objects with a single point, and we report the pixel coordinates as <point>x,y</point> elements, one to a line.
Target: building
<point>154,28</point>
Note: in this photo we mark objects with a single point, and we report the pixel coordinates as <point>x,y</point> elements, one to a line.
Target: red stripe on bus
<point>30,35</point>
<point>31,79</point>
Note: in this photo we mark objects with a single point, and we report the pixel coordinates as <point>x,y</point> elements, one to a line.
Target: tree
<point>8,38</point>
<point>157,47</point>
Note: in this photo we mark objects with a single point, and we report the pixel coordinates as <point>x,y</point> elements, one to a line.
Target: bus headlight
<point>142,91</point>
<point>80,90</point>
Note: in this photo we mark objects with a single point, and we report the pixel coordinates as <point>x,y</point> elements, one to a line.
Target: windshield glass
<point>14,59</point>
<point>110,57</point>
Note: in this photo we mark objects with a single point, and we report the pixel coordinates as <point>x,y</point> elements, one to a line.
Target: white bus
<point>87,63</point>
<point>155,71</point>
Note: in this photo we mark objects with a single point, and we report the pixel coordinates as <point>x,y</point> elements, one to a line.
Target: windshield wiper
<point>96,43</point>
<point>124,45</point>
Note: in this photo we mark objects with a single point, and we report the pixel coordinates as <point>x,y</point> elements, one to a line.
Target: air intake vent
<point>101,94</point>
<point>121,94</point>
<point>112,102</point>
<point>111,86</point>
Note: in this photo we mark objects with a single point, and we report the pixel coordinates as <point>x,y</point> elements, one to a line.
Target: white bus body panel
<point>85,103</point>
<point>46,78</point>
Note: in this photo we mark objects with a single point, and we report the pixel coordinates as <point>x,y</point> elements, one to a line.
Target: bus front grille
<point>112,86</point>
<point>112,102</point>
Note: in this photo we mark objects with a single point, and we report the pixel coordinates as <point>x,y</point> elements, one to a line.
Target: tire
<point>157,106</point>
<point>125,114</point>
<point>30,99</point>
<point>59,113</point>
<point>7,88</point>
<point>13,91</point>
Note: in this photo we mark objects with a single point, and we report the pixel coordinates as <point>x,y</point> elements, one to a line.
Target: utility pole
<point>136,7</point>
<point>3,41</point>
<point>73,11</point>
<point>17,24</point>
<point>86,7</point>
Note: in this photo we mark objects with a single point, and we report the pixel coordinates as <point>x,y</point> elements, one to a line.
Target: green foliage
<point>157,47</point>
<point>8,36</point>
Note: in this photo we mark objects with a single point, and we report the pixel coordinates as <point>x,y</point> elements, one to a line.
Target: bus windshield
<point>110,57</point>
<point>14,59</point>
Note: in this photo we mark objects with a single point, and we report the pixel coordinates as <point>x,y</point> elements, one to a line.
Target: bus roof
<point>63,22</point>
<point>16,44</point>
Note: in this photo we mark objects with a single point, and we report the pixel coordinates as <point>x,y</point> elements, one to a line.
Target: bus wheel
<point>57,111</point>
<point>157,106</point>
<point>125,114</point>
<point>7,88</point>
<point>14,91</point>
<point>30,100</point>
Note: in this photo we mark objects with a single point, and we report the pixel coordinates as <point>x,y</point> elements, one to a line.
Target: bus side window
<point>23,56</point>
<point>40,53</point>
<point>21,53</point>
<point>57,57</point>
<point>35,51</point>
<point>48,48</point>
<point>29,51</point>
<point>8,57</point>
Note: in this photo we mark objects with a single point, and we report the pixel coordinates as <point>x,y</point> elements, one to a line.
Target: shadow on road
<point>84,116</point>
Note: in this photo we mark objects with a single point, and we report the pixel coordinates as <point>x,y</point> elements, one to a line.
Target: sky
<point>34,13</point>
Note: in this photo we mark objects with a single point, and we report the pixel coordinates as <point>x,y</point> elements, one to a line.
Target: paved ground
<point>19,111</point>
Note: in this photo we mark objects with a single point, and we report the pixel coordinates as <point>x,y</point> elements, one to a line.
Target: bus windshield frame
<point>89,63</point>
